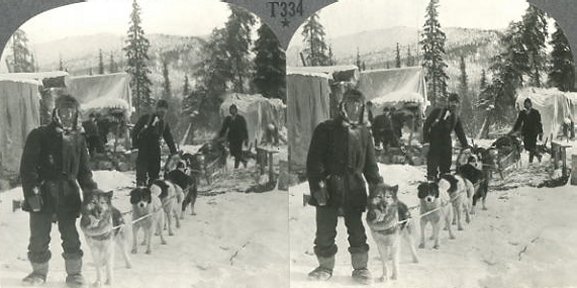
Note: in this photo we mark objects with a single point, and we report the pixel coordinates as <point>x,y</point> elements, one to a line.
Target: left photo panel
<point>144,144</point>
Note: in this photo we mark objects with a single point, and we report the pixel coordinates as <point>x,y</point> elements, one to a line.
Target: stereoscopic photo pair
<point>153,143</point>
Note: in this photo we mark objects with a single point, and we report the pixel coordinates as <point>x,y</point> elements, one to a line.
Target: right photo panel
<point>430,145</point>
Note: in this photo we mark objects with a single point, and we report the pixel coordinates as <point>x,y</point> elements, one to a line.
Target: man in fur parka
<point>54,171</point>
<point>340,154</point>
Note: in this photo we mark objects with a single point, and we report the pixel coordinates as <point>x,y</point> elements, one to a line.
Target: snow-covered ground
<point>526,238</point>
<point>235,240</point>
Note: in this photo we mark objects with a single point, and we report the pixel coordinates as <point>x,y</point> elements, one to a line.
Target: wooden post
<point>270,168</point>
<point>574,169</point>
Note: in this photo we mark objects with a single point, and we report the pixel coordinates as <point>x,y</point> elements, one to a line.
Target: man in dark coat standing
<point>383,130</point>
<point>92,134</point>
<point>529,124</point>
<point>146,136</point>
<point>55,174</point>
<point>437,130</point>
<point>234,127</point>
<point>340,154</point>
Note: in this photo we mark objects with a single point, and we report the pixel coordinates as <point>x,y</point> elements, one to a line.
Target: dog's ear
<point>435,189</point>
<point>134,195</point>
<point>394,190</point>
<point>423,190</point>
<point>147,194</point>
<point>109,195</point>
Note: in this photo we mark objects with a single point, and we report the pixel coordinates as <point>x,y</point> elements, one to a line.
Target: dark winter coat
<point>235,129</point>
<point>438,128</point>
<point>55,163</point>
<point>381,124</point>
<point>90,128</point>
<point>148,131</point>
<point>340,155</point>
<point>529,123</point>
<point>236,133</point>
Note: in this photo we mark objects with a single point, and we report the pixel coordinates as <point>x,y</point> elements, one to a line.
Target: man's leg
<point>38,248</point>
<point>72,251</point>
<point>154,165</point>
<point>446,160</point>
<point>358,246</point>
<point>141,168</point>
<point>432,163</point>
<point>325,247</point>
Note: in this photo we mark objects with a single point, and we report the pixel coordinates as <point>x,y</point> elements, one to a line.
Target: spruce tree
<point>534,35</point>
<point>100,62</point>
<point>314,40</point>
<point>358,62</point>
<point>483,81</point>
<point>364,66</point>
<point>467,109</point>
<point>174,103</point>
<point>332,60</point>
<point>60,64</point>
<point>166,94</point>
<point>562,67</point>
<point>21,58</point>
<point>186,87</point>
<point>410,60</point>
<point>270,65</point>
<point>238,44</point>
<point>433,45</point>
<point>212,75</point>
<point>398,56</point>
<point>136,50</point>
<point>112,66</point>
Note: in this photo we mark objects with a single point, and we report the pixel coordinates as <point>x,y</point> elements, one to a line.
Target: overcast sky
<point>352,16</point>
<point>199,17</point>
<point>177,17</point>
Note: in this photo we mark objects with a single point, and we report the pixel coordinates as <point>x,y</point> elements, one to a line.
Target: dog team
<point>341,157</point>
<point>58,187</point>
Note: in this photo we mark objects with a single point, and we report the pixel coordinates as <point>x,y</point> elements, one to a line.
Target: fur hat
<point>66,101</point>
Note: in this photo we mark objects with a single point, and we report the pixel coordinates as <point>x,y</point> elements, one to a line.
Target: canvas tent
<point>553,105</point>
<point>394,87</point>
<point>19,114</point>
<point>308,98</point>
<point>101,92</point>
<point>258,112</point>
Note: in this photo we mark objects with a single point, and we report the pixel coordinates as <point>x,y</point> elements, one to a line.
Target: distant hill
<point>80,55</point>
<point>377,47</point>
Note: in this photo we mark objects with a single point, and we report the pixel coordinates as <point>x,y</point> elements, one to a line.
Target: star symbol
<point>285,22</point>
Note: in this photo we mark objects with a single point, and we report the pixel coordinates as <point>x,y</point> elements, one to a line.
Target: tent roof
<point>102,91</point>
<point>337,73</point>
<point>390,86</point>
<point>106,103</point>
<point>36,77</point>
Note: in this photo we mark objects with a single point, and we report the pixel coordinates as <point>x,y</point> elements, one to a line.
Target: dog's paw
<point>452,237</point>
<point>432,237</point>
<point>394,277</point>
<point>133,251</point>
<point>415,260</point>
<point>436,246</point>
<point>143,243</point>
<point>96,284</point>
<point>468,220</point>
<point>148,251</point>
<point>422,245</point>
<point>383,279</point>
<point>170,233</point>
<point>193,213</point>
<point>485,208</point>
<point>460,228</point>
<point>472,212</point>
<point>108,282</point>
<point>163,242</point>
